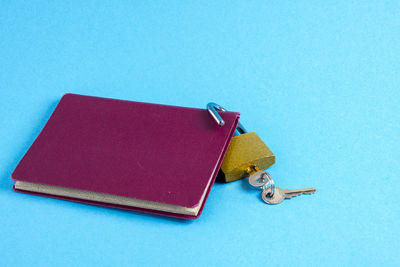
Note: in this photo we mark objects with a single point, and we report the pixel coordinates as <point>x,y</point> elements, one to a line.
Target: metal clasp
<point>212,109</point>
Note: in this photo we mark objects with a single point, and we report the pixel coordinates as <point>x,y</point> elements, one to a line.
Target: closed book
<point>138,156</point>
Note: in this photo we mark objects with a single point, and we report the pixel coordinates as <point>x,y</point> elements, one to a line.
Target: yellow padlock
<point>246,153</point>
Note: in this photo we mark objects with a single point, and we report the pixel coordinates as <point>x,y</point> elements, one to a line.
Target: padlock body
<point>245,151</point>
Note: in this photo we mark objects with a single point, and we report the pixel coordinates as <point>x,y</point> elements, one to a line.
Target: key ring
<point>262,179</point>
<point>270,182</point>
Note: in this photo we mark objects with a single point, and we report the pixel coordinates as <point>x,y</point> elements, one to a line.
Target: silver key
<point>281,194</point>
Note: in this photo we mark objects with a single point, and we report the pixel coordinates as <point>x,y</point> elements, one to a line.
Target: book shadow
<point>131,215</point>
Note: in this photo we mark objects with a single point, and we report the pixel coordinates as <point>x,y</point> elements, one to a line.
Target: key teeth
<point>289,196</point>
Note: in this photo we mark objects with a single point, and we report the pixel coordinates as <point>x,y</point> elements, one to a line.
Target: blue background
<point>317,80</point>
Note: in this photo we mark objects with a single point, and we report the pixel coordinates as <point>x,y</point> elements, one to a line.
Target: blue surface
<point>318,81</point>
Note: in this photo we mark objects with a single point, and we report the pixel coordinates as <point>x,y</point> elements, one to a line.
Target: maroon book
<point>137,156</point>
